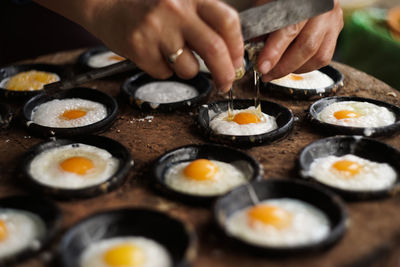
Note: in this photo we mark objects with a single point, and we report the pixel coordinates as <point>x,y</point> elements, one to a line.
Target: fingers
<point>276,45</point>
<point>213,50</point>
<point>304,47</point>
<point>225,21</point>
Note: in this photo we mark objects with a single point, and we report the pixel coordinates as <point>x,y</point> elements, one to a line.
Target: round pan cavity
<point>80,92</point>
<point>245,163</point>
<point>310,193</point>
<point>6,115</point>
<point>332,129</point>
<point>360,146</point>
<point>176,237</point>
<point>46,210</point>
<point>10,71</point>
<point>314,93</point>
<point>116,149</point>
<point>284,119</point>
<point>132,84</point>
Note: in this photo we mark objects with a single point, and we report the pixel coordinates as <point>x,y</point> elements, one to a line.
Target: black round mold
<point>305,94</point>
<point>49,214</point>
<point>10,71</point>
<point>116,149</point>
<point>6,116</point>
<point>284,120</point>
<point>199,82</point>
<point>179,239</point>
<point>332,129</point>
<point>79,92</point>
<point>245,163</point>
<point>366,148</point>
<point>329,203</point>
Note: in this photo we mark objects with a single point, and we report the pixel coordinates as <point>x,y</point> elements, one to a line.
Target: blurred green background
<point>366,42</point>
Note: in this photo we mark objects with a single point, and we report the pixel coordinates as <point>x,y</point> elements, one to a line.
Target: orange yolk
<point>269,215</point>
<point>201,170</point>
<point>295,77</point>
<point>246,118</point>
<point>3,230</point>
<point>124,255</point>
<point>73,114</point>
<point>347,167</point>
<point>345,114</point>
<point>30,80</point>
<point>116,57</point>
<point>77,165</point>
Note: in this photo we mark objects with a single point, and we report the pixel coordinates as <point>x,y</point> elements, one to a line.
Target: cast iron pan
<point>116,149</point>
<point>332,129</point>
<point>284,119</point>
<point>9,71</point>
<point>310,193</point>
<point>311,93</point>
<point>245,163</point>
<point>176,237</point>
<point>360,146</point>
<point>132,84</point>
<point>6,115</point>
<point>46,210</point>
<point>79,92</point>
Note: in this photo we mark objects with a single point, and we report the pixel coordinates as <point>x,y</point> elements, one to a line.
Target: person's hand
<point>302,47</point>
<point>150,31</point>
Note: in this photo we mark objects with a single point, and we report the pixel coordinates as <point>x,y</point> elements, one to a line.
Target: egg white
<point>45,167</point>
<point>371,115</point>
<point>309,225</point>
<point>373,176</point>
<point>155,254</point>
<point>220,125</point>
<point>165,92</point>
<point>311,80</point>
<point>24,230</point>
<point>102,60</point>
<point>49,113</point>
<point>227,178</point>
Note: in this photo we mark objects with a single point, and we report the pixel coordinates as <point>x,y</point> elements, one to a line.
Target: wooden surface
<point>372,239</point>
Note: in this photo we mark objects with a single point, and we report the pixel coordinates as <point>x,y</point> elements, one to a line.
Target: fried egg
<point>282,222</point>
<point>68,113</point>
<point>356,114</point>
<point>165,92</point>
<point>244,122</point>
<point>73,166</point>
<point>129,251</point>
<point>352,173</point>
<point>29,80</point>
<point>310,80</point>
<point>204,177</point>
<point>104,59</point>
<point>19,230</point>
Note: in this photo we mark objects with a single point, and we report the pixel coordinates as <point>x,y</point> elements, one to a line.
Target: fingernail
<point>238,63</point>
<point>239,72</point>
<point>265,67</point>
<point>224,89</point>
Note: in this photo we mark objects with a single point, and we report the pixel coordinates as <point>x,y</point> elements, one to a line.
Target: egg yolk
<point>3,230</point>
<point>269,215</point>
<point>73,114</point>
<point>30,80</point>
<point>77,165</point>
<point>116,57</point>
<point>246,118</point>
<point>124,255</point>
<point>201,170</point>
<point>295,77</point>
<point>345,114</point>
<point>347,167</point>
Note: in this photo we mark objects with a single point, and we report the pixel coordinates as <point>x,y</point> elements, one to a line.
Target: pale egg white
<point>165,92</point>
